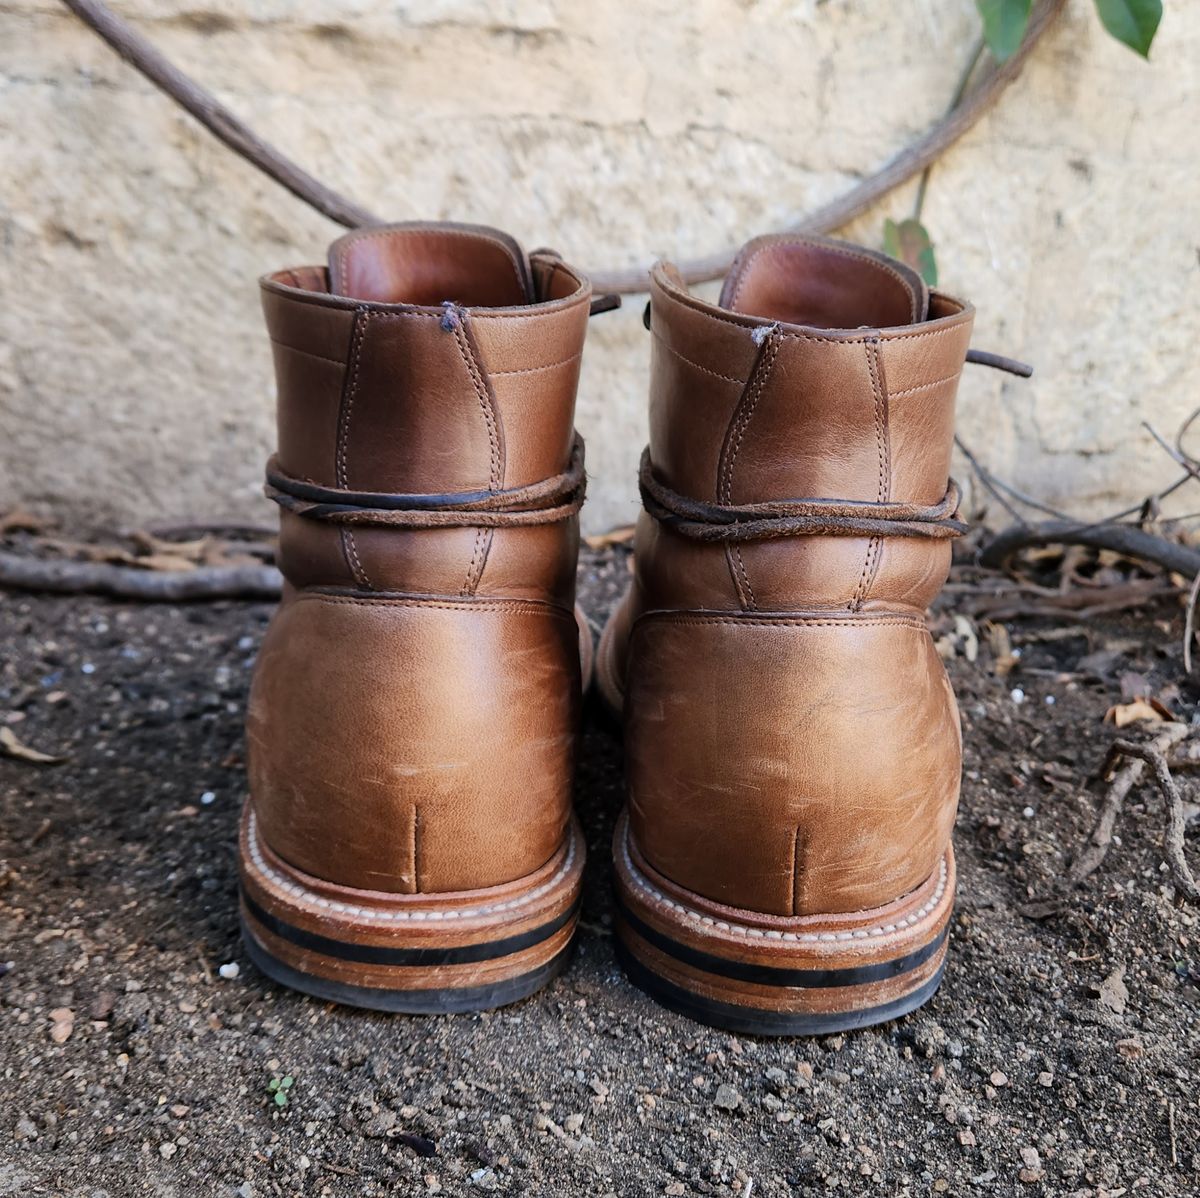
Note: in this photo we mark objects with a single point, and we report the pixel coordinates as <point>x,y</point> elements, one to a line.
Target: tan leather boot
<point>792,742</point>
<point>408,843</point>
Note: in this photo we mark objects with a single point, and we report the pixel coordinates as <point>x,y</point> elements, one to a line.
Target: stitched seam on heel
<point>349,394</point>
<point>882,442</point>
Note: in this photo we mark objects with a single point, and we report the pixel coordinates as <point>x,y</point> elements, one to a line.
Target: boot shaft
<point>428,360</point>
<point>824,372</point>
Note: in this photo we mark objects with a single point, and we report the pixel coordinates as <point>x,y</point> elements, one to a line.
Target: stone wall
<point>134,374</point>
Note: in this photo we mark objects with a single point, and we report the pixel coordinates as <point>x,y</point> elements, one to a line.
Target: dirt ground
<point>1061,1055</point>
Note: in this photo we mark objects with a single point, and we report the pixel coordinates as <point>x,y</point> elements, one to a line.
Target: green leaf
<point>909,241</point>
<point>287,1083</point>
<point>273,1084</point>
<point>1004,24</point>
<point>1132,22</point>
<point>281,1099</point>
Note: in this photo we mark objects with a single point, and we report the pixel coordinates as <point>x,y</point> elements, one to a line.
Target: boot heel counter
<point>414,746</point>
<point>793,764</point>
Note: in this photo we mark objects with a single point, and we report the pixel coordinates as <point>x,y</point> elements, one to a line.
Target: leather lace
<point>546,502</point>
<point>702,521</point>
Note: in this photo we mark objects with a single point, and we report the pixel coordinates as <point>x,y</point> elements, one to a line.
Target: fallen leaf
<point>1001,646</point>
<point>19,520</point>
<point>605,540</point>
<point>1139,711</point>
<point>166,563</point>
<point>964,629</point>
<point>152,546</point>
<point>14,748</point>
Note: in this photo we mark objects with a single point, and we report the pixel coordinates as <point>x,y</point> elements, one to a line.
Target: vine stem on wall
<point>239,137</point>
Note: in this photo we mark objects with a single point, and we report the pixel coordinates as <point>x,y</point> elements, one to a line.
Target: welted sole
<point>776,976</point>
<point>420,954</point>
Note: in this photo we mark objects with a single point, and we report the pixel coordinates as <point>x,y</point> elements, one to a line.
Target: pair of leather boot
<point>791,740</point>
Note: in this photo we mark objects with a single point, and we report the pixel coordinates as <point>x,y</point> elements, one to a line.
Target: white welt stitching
<point>656,896</point>
<point>278,880</point>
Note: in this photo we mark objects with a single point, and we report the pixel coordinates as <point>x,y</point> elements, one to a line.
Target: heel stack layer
<point>427,954</point>
<point>767,975</point>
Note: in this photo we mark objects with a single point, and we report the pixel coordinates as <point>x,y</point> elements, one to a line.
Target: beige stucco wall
<point>134,376</point>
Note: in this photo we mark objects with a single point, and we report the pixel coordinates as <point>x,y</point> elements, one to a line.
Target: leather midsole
<point>773,975</point>
<point>375,954</point>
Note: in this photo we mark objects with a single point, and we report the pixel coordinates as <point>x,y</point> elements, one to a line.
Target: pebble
<point>1033,1171</point>
<point>727,1098</point>
<point>380,1124</point>
<point>999,1079</point>
<point>1018,695</point>
<point>1131,1048</point>
<point>62,1024</point>
<point>229,970</point>
<point>207,798</point>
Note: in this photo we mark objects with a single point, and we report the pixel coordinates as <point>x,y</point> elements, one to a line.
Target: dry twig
<point>1121,538</point>
<point>1173,800</point>
<point>1125,779</point>
<point>129,582</point>
<point>214,116</point>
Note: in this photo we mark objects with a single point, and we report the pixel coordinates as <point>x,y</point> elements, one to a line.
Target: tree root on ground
<point>1153,754</point>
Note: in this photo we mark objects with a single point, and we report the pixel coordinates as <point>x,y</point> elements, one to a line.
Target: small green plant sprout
<point>1132,22</point>
<point>280,1087</point>
<point>909,241</point>
<point>1005,22</point>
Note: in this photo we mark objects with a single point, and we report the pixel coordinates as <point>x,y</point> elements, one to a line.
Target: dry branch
<point>906,165</point>
<point>215,117</point>
<point>129,582</point>
<point>205,107</point>
<point>1126,778</point>
<point>1154,757</point>
<point>1121,538</point>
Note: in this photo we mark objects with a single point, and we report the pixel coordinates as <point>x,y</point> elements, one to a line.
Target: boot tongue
<point>429,264</point>
<point>823,284</point>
